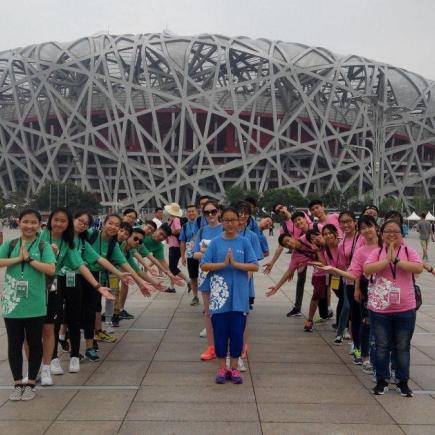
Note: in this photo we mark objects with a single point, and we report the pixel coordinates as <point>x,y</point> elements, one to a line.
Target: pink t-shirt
<point>332,218</point>
<point>296,232</point>
<point>301,257</point>
<point>175,224</point>
<point>403,279</point>
<point>359,259</point>
<point>346,250</point>
<point>332,259</point>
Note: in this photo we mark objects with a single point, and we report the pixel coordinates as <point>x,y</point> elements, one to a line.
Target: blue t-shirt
<point>255,243</point>
<point>253,226</point>
<point>229,287</point>
<point>187,235</point>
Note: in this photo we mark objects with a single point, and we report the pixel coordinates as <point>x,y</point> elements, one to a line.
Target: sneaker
<point>208,354</point>
<point>319,319</point>
<point>241,365</point>
<point>203,333</point>
<point>351,348</point>
<point>221,376</point>
<point>17,393</point>
<point>64,344</point>
<point>236,377</point>
<point>115,321</point>
<point>330,314</point>
<point>55,367</point>
<point>105,337</point>
<point>367,367</point>
<point>380,388</point>
<point>356,357</point>
<point>74,364</point>
<point>46,376</point>
<point>294,312</point>
<point>346,335</point>
<point>28,392</point>
<point>338,340</point>
<point>125,315</point>
<point>403,389</point>
<point>334,326</point>
<point>308,326</point>
<point>170,290</point>
<point>108,327</point>
<point>91,355</point>
<point>189,287</point>
<point>195,301</point>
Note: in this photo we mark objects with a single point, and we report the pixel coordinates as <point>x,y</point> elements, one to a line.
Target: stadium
<point>154,118</point>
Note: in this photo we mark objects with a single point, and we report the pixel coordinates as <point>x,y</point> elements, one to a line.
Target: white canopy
<point>430,217</point>
<point>414,217</point>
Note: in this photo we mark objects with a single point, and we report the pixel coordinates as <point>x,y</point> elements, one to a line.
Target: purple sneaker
<point>222,375</point>
<point>236,377</point>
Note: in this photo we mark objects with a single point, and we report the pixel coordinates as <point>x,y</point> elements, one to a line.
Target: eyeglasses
<point>243,214</point>
<point>84,223</point>
<point>391,232</point>
<point>346,221</point>
<point>138,239</point>
<point>229,221</point>
<point>210,212</point>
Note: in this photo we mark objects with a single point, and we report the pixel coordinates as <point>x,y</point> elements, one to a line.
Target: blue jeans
<point>393,333</point>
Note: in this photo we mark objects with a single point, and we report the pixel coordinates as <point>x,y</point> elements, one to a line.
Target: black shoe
<point>64,344</point>
<point>170,290</point>
<point>115,321</point>
<point>103,317</point>
<point>403,389</point>
<point>294,312</point>
<point>330,314</point>
<point>380,388</point>
<point>95,346</point>
<point>125,315</point>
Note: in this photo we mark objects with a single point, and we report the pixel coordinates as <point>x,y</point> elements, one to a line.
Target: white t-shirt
<point>157,222</point>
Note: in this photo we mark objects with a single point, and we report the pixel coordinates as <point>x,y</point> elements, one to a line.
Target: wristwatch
<point>396,260</point>
<point>29,259</point>
<point>97,286</point>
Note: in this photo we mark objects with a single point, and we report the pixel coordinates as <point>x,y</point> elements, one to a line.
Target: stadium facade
<point>151,118</point>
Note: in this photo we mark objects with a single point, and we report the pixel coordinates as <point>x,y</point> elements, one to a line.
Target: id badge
<point>70,279</point>
<point>53,287</point>
<point>394,295</point>
<point>22,289</point>
<point>335,282</point>
<point>113,282</point>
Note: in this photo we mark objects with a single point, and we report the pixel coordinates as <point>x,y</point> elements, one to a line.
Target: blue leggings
<point>228,327</point>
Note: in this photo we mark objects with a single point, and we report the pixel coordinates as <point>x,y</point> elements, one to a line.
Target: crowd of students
<point>57,278</point>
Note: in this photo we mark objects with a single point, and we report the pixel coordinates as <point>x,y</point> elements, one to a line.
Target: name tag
<point>113,282</point>
<point>70,279</point>
<point>53,287</point>
<point>22,289</point>
<point>335,282</point>
<point>394,295</point>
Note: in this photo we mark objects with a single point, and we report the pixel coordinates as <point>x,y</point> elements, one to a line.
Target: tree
<point>389,204</point>
<point>237,193</point>
<point>54,194</point>
<point>284,196</point>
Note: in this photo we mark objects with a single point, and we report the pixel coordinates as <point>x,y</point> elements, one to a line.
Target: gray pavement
<point>152,381</point>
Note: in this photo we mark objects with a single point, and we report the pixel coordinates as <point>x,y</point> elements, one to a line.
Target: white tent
<point>430,217</point>
<point>414,217</point>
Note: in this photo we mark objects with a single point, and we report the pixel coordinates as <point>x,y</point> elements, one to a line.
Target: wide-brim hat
<point>174,209</point>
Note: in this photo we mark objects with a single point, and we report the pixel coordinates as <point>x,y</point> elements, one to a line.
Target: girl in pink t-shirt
<point>392,304</point>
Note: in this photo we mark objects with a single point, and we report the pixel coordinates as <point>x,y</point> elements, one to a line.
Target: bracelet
<point>97,286</point>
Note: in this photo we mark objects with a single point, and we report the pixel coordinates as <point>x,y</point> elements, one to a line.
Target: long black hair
<point>84,235</point>
<point>68,234</point>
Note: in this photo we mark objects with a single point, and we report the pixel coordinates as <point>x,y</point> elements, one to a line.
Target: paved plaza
<point>152,381</point>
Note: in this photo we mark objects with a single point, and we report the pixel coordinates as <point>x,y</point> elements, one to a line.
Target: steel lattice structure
<point>153,118</point>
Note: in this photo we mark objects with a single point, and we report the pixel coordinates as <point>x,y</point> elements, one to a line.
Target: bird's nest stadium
<point>151,118</point>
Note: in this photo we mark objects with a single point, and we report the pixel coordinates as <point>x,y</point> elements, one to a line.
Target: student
<point>202,239</point>
<point>393,266</point>
<point>175,225</point>
<point>24,301</point>
<point>187,242</point>
<point>158,216</point>
<point>129,215</point>
<point>371,210</point>
<point>317,209</point>
<point>228,260</point>
<point>424,229</point>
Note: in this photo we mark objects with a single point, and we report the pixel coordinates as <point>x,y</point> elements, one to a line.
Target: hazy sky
<point>400,32</point>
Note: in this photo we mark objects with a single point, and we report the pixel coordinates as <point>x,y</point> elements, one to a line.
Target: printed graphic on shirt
<point>219,292</point>
<point>10,295</point>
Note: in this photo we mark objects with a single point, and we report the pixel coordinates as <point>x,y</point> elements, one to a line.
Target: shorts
<point>193,268</point>
<point>320,287</point>
<point>174,258</point>
<point>424,243</point>
<point>55,303</point>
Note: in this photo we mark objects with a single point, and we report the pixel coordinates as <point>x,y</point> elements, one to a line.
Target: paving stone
<point>74,427</point>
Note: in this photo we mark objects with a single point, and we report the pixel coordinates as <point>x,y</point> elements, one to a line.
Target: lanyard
<point>59,247</point>
<point>355,239</point>
<point>23,263</point>
<point>393,267</point>
<point>331,256</point>
<point>308,252</point>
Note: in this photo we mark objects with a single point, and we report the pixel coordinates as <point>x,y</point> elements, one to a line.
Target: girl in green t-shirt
<point>28,261</point>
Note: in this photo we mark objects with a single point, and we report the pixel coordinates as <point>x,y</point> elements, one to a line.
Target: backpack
<point>112,243</point>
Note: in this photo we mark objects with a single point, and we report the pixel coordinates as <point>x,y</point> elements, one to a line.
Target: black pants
<point>174,258</point>
<point>300,284</point>
<point>91,304</point>
<point>31,329</point>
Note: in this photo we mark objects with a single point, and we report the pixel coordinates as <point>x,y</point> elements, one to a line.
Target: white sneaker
<point>17,393</point>
<point>351,348</point>
<point>346,334</point>
<point>74,365</point>
<point>203,333</point>
<point>28,393</point>
<point>108,327</point>
<point>241,365</point>
<point>55,367</point>
<point>46,376</point>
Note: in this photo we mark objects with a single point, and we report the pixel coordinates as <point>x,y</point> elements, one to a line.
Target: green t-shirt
<point>150,245</point>
<point>15,306</point>
<point>67,259</point>
<point>101,247</point>
<point>129,255</point>
<point>86,251</point>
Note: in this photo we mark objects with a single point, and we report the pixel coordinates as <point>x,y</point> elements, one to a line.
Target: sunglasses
<point>210,212</point>
<point>138,239</point>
